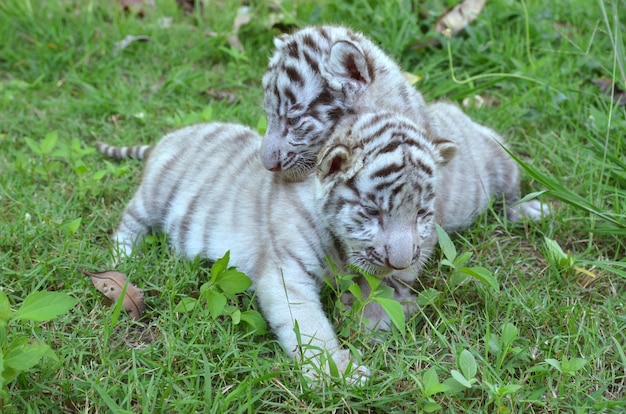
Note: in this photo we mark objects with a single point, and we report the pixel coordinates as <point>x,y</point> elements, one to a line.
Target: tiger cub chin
<point>370,203</point>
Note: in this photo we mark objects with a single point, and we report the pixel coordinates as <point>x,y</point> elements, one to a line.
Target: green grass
<point>552,339</point>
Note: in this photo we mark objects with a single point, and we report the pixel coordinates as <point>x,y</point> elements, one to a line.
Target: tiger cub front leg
<point>294,311</point>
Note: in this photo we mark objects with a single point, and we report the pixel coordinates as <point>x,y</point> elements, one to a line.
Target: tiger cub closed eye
<point>370,203</point>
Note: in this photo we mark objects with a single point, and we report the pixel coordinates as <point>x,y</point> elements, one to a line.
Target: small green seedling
<point>457,263</point>
<point>20,353</point>
<point>223,285</point>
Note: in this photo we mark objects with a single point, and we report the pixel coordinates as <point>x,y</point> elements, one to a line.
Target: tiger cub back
<point>370,203</point>
<point>317,76</point>
<point>482,170</point>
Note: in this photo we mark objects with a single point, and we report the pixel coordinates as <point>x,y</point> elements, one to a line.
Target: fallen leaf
<point>243,17</point>
<point>479,101</point>
<point>457,17</point>
<point>127,41</point>
<point>228,97</point>
<point>411,78</point>
<point>111,284</point>
<point>189,6</point>
<point>137,7</point>
<point>609,89</point>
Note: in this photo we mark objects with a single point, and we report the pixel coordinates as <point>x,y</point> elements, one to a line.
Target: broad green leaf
<point>373,281</point>
<point>462,259</point>
<point>80,168</point>
<point>431,407</point>
<point>44,306</point>
<point>255,321</point>
<point>236,316</point>
<point>428,297</point>
<point>49,142</point>
<point>186,305</point>
<point>508,389</point>
<point>5,307</point>
<point>432,385</point>
<point>26,355</point>
<point>509,333</point>
<point>34,146</point>
<point>555,363</point>
<point>383,291</point>
<point>393,308</point>
<point>458,377</point>
<point>572,365</point>
<point>219,266</point>
<point>355,289</point>
<point>446,245</point>
<point>454,386</point>
<point>556,255</point>
<point>7,374</point>
<point>207,114</point>
<point>232,281</point>
<point>1,371</point>
<point>215,302</point>
<point>482,274</point>
<point>72,227</point>
<point>467,363</point>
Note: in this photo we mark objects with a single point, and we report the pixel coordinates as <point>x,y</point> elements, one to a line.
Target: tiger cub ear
<point>446,150</point>
<point>334,160</point>
<point>346,68</point>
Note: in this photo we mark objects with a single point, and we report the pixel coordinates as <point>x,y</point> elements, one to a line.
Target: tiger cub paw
<point>533,210</point>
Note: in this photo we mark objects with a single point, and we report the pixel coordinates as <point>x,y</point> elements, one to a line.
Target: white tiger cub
<point>370,202</point>
<point>318,75</point>
<point>480,170</point>
<point>315,77</point>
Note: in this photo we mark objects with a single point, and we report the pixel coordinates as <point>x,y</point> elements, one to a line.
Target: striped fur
<point>317,76</point>
<point>370,202</point>
<point>140,152</point>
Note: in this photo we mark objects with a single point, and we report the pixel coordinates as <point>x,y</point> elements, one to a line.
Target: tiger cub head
<point>377,188</point>
<point>312,81</point>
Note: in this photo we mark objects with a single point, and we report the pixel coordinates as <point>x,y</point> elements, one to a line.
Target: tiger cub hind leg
<point>534,210</point>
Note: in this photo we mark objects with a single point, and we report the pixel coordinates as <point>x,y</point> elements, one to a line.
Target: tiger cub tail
<point>140,152</point>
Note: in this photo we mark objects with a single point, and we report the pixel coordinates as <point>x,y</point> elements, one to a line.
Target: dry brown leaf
<point>137,7</point>
<point>111,284</point>
<point>456,18</point>
<point>411,78</point>
<point>228,97</point>
<point>609,89</point>
<point>189,6</point>
<point>243,17</point>
<point>479,101</point>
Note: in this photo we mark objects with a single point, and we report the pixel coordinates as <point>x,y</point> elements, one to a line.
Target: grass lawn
<point>552,338</point>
